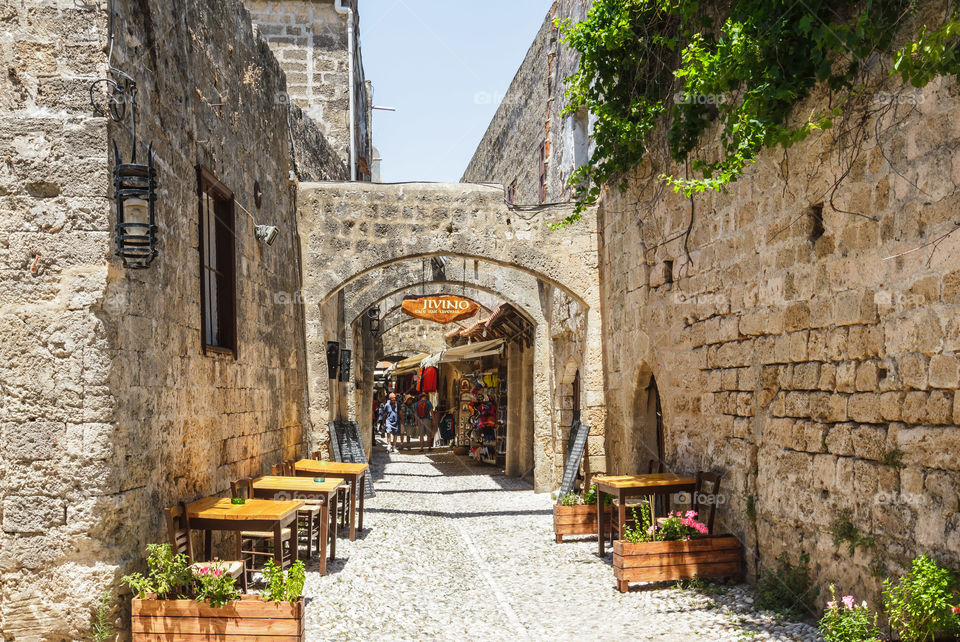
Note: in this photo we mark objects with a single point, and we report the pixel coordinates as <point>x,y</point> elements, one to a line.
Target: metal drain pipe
<point>345,10</point>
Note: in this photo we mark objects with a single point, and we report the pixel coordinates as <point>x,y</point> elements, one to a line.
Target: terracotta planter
<point>248,618</point>
<point>715,556</point>
<point>575,520</point>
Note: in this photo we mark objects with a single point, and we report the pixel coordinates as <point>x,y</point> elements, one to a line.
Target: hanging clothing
<point>428,380</point>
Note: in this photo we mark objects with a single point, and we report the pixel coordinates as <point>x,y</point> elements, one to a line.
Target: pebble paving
<point>456,551</point>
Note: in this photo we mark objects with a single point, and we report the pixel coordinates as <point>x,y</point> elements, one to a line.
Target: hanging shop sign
<point>442,308</point>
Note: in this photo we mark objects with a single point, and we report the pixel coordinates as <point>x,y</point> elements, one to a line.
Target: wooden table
<point>624,486</point>
<point>324,493</point>
<point>353,473</point>
<point>220,514</point>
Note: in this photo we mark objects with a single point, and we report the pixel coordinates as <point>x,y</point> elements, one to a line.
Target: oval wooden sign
<point>441,308</point>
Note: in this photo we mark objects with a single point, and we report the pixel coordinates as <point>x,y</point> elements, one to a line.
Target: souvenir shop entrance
<point>466,390</point>
<point>480,392</point>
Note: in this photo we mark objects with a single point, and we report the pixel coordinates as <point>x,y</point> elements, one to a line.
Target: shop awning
<point>410,364</point>
<point>472,351</point>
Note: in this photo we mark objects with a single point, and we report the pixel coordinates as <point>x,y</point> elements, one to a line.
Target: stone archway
<point>381,231</point>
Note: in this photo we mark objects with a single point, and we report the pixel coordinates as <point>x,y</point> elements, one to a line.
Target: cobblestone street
<point>453,552</point>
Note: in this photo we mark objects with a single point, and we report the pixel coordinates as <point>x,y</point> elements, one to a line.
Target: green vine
<point>736,71</point>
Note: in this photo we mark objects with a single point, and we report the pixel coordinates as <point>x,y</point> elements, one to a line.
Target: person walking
<point>424,420</point>
<point>408,419</point>
<point>390,416</point>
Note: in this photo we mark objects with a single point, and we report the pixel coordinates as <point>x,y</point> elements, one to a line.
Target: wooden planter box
<point>714,556</point>
<point>248,619</point>
<point>575,520</point>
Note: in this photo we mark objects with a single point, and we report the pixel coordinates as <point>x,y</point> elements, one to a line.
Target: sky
<point>445,65</point>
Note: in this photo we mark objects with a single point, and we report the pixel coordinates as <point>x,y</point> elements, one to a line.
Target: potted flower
<point>678,548</point>
<point>847,621</point>
<point>575,514</point>
<point>176,599</point>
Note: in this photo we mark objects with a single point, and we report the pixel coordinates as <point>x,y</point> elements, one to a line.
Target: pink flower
<point>216,559</point>
<point>691,514</point>
<point>204,570</point>
<point>831,605</point>
<point>217,572</point>
<point>848,601</point>
<point>956,610</point>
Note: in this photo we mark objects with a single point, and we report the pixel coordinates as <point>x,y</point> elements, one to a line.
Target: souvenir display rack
<point>485,435</point>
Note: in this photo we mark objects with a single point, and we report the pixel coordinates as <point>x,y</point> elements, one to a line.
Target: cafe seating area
<point>295,513</point>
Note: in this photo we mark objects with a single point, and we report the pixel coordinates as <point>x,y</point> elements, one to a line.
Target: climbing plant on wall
<point>737,70</point>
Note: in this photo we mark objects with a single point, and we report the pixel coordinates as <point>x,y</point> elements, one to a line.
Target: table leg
<point>621,516</point>
<point>353,510</point>
<point>601,535</point>
<point>333,526</point>
<point>278,543</point>
<point>363,482</point>
<point>324,523</point>
<point>294,540</point>
<point>208,545</point>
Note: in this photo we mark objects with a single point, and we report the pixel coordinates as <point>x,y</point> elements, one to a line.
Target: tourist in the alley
<point>390,416</point>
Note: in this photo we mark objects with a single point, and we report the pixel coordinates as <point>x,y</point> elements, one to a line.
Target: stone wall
<point>416,335</point>
<point>110,410</point>
<point>530,115</point>
<point>807,352</point>
<point>310,40</point>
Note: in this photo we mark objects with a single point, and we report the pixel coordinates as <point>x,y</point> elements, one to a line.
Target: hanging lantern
<point>374,315</point>
<point>135,192</point>
<point>333,359</point>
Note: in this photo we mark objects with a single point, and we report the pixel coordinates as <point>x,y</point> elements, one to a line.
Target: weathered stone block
<point>944,371</point>
<point>864,408</point>
<point>866,379</point>
<point>32,513</point>
<point>939,408</point>
<point>32,440</point>
<point>914,407</point>
<point>913,370</point>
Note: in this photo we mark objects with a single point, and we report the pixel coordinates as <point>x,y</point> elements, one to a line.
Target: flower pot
<point>714,556</point>
<point>244,619</point>
<point>575,520</point>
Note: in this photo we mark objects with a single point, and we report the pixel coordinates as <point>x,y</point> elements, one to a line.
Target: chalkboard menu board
<point>347,435</point>
<point>575,447</point>
<point>334,442</point>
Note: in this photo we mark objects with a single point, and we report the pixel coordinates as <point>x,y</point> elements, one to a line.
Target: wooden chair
<point>258,544</point>
<point>706,497</point>
<point>178,530</point>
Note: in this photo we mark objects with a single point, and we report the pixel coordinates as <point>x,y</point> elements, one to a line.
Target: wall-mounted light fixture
<point>345,365</point>
<point>266,233</point>
<point>134,187</point>
<point>374,315</point>
<point>333,359</point>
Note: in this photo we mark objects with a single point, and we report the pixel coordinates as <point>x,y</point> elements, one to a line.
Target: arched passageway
<point>385,237</point>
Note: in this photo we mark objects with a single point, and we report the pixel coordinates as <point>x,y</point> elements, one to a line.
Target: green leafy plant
<point>751,508</point>
<point>924,603</point>
<point>642,529</point>
<point>734,71</point>
<point>893,458</point>
<point>169,575</point>
<point>844,530</point>
<point>283,587</point>
<point>787,589</point>
<point>215,587</point>
<point>101,629</point>
<point>590,497</point>
<point>847,621</point>
<point>570,499</point>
